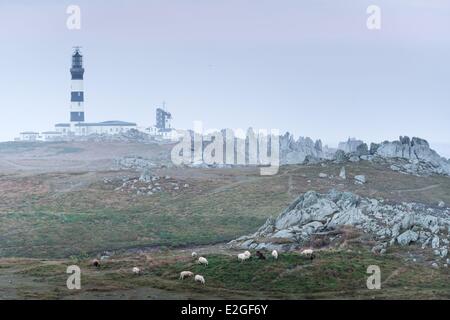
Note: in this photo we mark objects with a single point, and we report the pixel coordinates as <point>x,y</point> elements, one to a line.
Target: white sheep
<point>199,278</point>
<point>136,270</point>
<point>194,254</point>
<point>309,253</point>
<point>203,261</point>
<point>275,254</point>
<point>184,274</point>
<point>242,257</point>
<point>247,253</point>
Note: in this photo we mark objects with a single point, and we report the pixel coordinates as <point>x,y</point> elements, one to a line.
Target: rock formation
<point>412,156</point>
<point>351,145</point>
<point>389,224</point>
<point>421,158</point>
<point>304,149</point>
<point>342,174</point>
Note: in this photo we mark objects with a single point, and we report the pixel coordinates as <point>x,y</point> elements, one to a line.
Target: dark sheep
<point>260,255</point>
<point>96,263</point>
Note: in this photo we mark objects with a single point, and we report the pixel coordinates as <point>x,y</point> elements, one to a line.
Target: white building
<point>51,135</point>
<point>163,129</point>
<point>86,128</point>
<point>29,136</point>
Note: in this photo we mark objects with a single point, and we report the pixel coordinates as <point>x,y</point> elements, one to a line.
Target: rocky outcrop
<point>302,150</point>
<point>342,174</point>
<point>136,163</point>
<point>360,179</point>
<point>340,156</point>
<point>350,146</point>
<point>146,176</point>
<point>412,156</point>
<point>313,213</point>
<point>421,158</point>
<point>146,185</point>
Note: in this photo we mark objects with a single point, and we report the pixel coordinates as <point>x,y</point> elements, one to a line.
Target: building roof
<point>29,132</point>
<point>99,124</point>
<point>106,124</point>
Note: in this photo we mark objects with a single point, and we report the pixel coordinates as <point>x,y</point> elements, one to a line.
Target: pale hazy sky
<point>308,67</point>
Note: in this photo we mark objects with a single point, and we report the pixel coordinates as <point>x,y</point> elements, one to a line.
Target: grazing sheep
<point>242,257</point>
<point>199,278</point>
<point>184,274</point>
<point>194,254</point>
<point>275,254</point>
<point>96,263</point>
<point>309,253</point>
<point>136,270</point>
<point>247,253</point>
<point>203,261</point>
<point>260,255</point>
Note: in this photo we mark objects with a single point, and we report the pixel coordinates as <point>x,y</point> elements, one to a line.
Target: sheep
<point>199,278</point>
<point>184,274</point>
<point>247,253</point>
<point>309,253</point>
<point>96,263</point>
<point>242,257</point>
<point>275,254</point>
<point>260,255</point>
<point>203,261</point>
<point>194,254</point>
<point>136,270</point>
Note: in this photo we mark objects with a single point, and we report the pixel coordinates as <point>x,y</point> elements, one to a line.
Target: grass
<point>58,230</point>
<point>57,147</point>
<point>47,224</point>
<point>64,150</point>
<point>332,275</point>
<point>18,146</point>
<point>40,218</point>
<point>290,274</point>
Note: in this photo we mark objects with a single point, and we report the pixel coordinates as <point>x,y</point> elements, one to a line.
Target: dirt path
<point>290,186</point>
<point>418,189</point>
<point>394,273</point>
<point>230,186</point>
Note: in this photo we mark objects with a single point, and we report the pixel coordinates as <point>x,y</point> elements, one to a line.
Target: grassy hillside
<point>62,214</point>
<point>57,210</point>
<point>334,274</point>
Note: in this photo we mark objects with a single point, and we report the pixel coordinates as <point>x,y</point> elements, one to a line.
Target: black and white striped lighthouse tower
<point>77,94</point>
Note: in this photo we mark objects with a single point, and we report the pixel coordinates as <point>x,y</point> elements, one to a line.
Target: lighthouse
<point>77,125</point>
<point>77,93</point>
